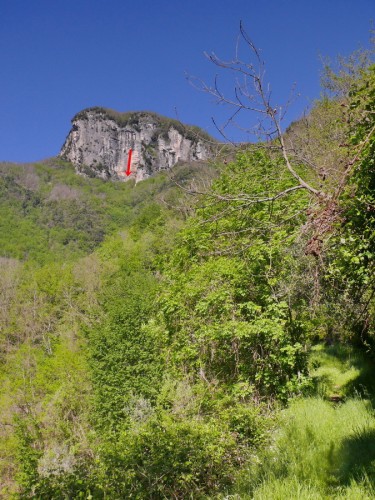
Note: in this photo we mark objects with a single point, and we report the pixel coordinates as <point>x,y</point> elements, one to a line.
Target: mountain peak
<point>135,144</point>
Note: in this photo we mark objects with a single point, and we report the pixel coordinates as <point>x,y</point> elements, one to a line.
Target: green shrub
<point>165,458</point>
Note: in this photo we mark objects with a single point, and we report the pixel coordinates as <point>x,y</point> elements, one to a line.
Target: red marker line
<point>129,162</point>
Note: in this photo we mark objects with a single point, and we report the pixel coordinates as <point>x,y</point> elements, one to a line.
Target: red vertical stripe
<point>129,161</point>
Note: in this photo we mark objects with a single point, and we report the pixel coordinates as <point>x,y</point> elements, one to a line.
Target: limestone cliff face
<point>100,141</point>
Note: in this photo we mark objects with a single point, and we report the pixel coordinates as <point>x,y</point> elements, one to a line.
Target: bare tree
<point>251,94</point>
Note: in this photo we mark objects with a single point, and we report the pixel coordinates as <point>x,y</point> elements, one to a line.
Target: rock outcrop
<point>103,143</point>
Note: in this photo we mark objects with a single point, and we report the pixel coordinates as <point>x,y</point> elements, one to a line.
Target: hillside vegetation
<point>155,344</point>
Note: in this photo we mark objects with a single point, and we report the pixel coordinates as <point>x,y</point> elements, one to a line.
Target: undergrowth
<point>324,444</point>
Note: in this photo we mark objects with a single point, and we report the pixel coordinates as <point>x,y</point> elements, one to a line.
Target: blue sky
<point>60,56</point>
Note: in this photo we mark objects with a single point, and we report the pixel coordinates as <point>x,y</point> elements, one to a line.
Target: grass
<point>321,449</point>
<point>342,371</point>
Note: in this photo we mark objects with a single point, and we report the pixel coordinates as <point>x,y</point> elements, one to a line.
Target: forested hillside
<point>207,333</point>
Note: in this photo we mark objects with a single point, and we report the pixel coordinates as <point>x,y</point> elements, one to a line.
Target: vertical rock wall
<point>99,143</point>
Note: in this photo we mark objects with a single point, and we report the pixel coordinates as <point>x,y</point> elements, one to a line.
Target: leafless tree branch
<point>258,101</point>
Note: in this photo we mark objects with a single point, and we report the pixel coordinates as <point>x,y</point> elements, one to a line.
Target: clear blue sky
<point>60,56</point>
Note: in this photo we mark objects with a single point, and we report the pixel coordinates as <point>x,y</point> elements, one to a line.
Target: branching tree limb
<point>252,95</point>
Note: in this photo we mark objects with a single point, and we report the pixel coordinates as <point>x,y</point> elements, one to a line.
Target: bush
<point>166,458</point>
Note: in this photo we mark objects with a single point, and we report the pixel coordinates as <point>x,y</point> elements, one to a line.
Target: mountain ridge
<point>100,141</point>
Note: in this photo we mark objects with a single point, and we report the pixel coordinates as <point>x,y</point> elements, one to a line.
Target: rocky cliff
<point>108,144</point>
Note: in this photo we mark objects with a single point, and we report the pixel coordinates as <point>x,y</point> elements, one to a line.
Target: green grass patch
<point>323,446</point>
<point>341,371</point>
<point>320,450</point>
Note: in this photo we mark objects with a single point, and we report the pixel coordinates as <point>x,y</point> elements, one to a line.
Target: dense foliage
<point>350,252</point>
<point>155,346</point>
<point>227,308</point>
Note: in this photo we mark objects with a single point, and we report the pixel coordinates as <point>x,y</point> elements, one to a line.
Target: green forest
<point>208,332</point>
